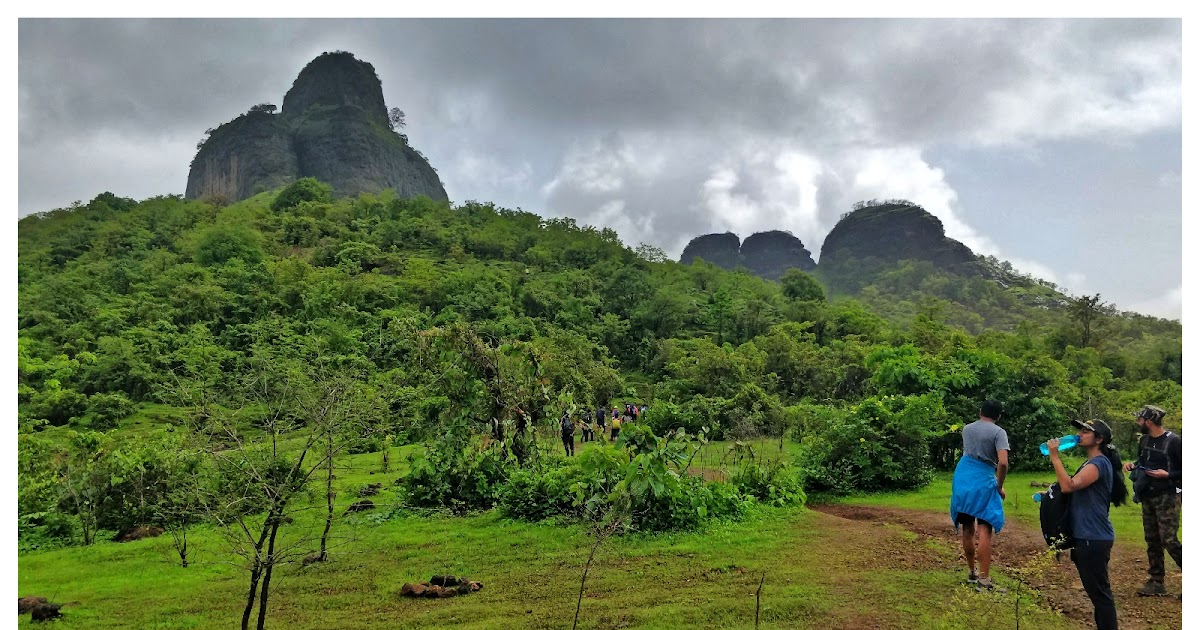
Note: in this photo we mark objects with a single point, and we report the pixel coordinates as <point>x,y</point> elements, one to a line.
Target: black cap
<point>1099,427</point>
<point>1151,413</point>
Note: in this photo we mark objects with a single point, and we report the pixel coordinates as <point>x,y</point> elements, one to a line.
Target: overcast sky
<point>1052,144</point>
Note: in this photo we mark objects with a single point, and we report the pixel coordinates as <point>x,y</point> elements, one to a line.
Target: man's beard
<point>1145,428</point>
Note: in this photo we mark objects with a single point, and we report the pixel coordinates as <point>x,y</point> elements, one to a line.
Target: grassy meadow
<point>816,571</point>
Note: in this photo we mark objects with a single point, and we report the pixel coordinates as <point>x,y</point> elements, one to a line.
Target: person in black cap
<point>1157,483</point>
<point>1097,483</point>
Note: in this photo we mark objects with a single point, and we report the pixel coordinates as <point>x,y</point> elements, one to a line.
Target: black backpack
<point>1055,514</point>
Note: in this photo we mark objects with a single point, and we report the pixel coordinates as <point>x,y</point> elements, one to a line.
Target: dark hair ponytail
<point>1119,491</point>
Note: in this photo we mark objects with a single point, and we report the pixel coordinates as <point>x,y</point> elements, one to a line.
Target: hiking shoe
<point>972,578</point>
<point>1152,588</point>
<point>986,584</point>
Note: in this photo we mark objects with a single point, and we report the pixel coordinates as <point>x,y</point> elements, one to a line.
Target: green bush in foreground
<point>642,479</point>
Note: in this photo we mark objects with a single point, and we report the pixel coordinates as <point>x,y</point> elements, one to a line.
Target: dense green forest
<point>166,346</point>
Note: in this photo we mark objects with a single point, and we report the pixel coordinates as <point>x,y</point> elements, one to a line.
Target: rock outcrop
<point>891,232</point>
<point>769,254</point>
<point>333,126</point>
<point>721,250</point>
<point>766,254</point>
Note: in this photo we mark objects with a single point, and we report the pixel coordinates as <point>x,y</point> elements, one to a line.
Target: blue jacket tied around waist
<point>974,493</point>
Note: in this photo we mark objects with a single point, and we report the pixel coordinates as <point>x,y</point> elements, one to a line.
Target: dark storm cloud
<point>661,129</point>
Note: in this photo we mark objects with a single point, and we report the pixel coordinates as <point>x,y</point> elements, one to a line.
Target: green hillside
<point>192,366</point>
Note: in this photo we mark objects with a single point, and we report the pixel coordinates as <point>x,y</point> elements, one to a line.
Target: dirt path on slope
<point>1017,544</point>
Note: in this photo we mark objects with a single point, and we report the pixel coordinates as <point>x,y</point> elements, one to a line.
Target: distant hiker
<point>585,425</point>
<point>1098,482</point>
<point>616,427</point>
<point>568,433</point>
<point>977,492</point>
<point>1157,484</point>
<point>601,416</point>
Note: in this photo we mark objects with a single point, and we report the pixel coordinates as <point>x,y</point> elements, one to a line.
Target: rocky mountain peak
<point>333,126</point>
<point>337,79</point>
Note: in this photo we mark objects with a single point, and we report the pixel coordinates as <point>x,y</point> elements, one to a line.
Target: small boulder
<point>413,590</point>
<point>443,580</point>
<point>25,604</point>
<point>370,490</point>
<point>467,586</point>
<point>360,506</point>
<point>46,611</point>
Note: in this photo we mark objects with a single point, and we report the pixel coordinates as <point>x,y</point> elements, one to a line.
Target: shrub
<point>533,495</point>
<point>880,443</point>
<point>306,189</point>
<point>106,410</point>
<point>668,416</point>
<point>58,406</point>
<point>463,479</point>
<point>640,477</point>
<point>775,483</point>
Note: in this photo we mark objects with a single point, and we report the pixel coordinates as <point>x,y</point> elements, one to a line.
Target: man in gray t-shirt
<point>977,492</point>
<point>984,440</point>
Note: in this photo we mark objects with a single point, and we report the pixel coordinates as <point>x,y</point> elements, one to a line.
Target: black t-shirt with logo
<point>1164,452</point>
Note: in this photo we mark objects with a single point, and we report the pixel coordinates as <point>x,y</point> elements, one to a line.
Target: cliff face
<point>718,249</point>
<point>333,126</point>
<point>769,254</point>
<point>894,232</point>
<point>244,157</point>
<point>766,254</point>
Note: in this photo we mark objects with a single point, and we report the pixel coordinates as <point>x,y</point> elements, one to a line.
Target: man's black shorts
<point>967,519</point>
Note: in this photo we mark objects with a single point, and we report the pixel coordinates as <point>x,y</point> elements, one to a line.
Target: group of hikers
<point>977,495</point>
<point>590,423</point>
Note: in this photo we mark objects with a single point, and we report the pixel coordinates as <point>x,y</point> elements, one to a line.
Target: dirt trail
<point>1017,544</point>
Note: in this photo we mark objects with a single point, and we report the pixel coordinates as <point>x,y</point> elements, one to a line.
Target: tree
<point>1088,311</point>
<point>258,480</point>
<point>304,189</point>
<point>801,286</point>
<point>263,107</point>
<point>396,118</point>
<point>651,253</point>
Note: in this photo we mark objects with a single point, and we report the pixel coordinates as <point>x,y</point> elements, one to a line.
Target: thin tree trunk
<point>757,598</point>
<point>255,573</point>
<point>328,502</point>
<point>256,569</point>
<point>266,583</point>
<point>181,543</point>
<point>583,580</point>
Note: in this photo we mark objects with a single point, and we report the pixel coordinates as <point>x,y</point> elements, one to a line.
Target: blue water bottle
<point>1064,442</point>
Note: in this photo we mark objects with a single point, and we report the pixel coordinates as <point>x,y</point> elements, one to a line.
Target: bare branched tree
<point>258,480</point>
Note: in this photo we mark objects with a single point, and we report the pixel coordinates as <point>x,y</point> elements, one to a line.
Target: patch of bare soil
<point>1016,545</point>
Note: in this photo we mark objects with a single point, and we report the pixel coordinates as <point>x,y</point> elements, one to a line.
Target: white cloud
<point>765,187</point>
<point>474,171</point>
<point>1168,305</point>
<point>161,165</point>
<point>902,172</point>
